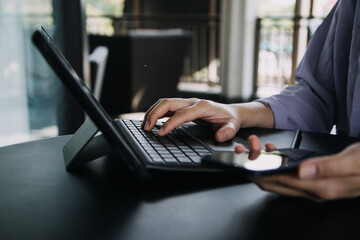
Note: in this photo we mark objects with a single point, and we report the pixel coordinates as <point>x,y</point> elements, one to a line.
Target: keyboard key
<point>180,155</point>
<point>184,160</point>
<point>196,159</point>
<point>163,152</point>
<point>170,160</point>
<point>157,160</point>
<point>167,155</point>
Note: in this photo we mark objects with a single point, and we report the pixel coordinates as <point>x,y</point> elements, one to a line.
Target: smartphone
<point>261,164</point>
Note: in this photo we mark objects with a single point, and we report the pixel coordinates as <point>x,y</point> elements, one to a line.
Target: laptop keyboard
<point>177,147</point>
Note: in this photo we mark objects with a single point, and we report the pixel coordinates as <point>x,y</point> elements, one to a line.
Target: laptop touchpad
<point>207,136</point>
<point>216,146</point>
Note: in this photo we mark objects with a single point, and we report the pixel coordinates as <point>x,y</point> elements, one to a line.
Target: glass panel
<point>100,14</point>
<point>275,31</point>
<point>320,10</point>
<point>278,8</point>
<point>275,55</point>
<point>28,89</point>
<point>323,7</point>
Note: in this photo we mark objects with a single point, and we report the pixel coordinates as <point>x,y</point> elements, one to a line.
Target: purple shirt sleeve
<point>310,104</point>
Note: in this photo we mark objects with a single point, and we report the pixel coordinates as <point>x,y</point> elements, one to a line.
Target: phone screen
<point>262,163</point>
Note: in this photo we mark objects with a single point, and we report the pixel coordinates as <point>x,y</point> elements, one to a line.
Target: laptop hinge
<point>85,145</point>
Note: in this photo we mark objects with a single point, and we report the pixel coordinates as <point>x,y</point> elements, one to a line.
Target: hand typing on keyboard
<point>226,119</point>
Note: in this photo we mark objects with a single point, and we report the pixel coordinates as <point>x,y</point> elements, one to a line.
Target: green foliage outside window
<point>112,8</point>
<point>100,13</point>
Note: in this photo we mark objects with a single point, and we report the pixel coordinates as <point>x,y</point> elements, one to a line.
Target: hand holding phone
<point>261,163</point>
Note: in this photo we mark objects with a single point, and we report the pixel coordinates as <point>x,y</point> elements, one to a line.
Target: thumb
<point>324,167</point>
<point>226,132</point>
<point>343,163</point>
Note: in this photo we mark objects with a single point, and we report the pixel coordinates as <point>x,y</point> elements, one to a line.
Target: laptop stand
<point>85,146</point>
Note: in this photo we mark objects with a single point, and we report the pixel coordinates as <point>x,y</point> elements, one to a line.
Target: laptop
<point>143,152</point>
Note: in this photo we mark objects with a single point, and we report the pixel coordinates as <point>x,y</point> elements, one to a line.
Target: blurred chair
<point>157,62</point>
<point>98,59</point>
<point>143,66</point>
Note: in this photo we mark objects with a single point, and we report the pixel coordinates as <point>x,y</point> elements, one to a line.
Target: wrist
<point>255,114</point>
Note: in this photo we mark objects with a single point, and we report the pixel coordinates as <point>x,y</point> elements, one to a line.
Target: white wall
<point>237,47</point>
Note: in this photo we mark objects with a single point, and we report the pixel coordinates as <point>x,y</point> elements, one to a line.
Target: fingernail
<point>308,172</point>
<point>222,137</point>
<point>160,132</point>
<point>146,127</point>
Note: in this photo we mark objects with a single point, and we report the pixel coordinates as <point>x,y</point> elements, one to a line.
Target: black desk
<point>40,200</point>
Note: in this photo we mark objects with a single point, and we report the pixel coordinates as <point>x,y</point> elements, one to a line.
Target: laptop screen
<point>79,90</point>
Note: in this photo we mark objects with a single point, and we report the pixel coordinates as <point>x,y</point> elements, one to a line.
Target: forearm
<point>254,114</point>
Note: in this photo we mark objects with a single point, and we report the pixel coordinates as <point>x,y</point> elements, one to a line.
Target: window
<point>100,15</point>
<point>284,29</point>
<point>28,89</point>
<point>322,7</point>
<point>276,8</point>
